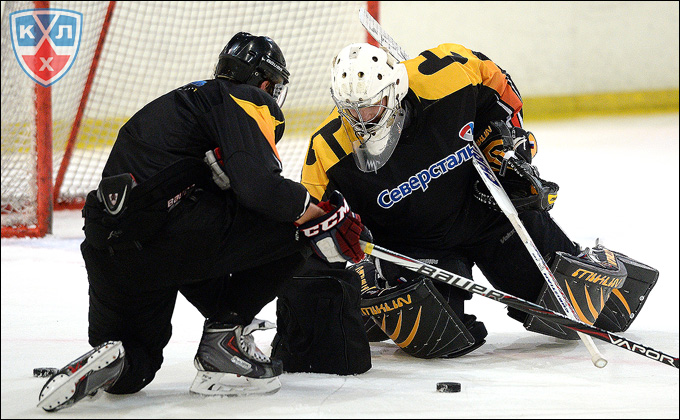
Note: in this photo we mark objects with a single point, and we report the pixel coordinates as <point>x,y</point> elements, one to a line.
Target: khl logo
<point>46,42</point>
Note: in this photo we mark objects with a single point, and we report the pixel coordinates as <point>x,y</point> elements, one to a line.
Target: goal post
<point>26,149</point>
<point>56,138</point>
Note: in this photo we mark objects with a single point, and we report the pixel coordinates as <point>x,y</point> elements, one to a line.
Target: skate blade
<point>231,385</point>
<point>61,387</point>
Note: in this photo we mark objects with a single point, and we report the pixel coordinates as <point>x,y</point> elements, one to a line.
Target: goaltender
<point>398,147</point>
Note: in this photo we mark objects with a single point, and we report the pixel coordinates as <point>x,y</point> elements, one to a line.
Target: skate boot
<point>97,369</point>
<point>230,364</point>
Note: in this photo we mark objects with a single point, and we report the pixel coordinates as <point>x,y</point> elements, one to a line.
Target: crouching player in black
<point>398,146</point>
<point>192,200</point>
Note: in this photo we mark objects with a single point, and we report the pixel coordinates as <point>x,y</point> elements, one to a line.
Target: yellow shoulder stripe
<point>314,176</point>
<point>450,77</point>
<point>263,118</point>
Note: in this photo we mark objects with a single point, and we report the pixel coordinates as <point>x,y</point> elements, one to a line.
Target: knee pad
<point>587,280</point>
<point>420,321</point>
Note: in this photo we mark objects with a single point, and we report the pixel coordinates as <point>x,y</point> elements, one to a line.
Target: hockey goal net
<point>56,139</point>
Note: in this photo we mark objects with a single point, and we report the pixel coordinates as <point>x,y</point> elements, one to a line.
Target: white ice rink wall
<point>565,57</point>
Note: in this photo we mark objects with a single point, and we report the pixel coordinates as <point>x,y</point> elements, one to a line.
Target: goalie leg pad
<point>418,319</point>
<point>587,280</point>
<point>373,331</point>
<point>626,302</point>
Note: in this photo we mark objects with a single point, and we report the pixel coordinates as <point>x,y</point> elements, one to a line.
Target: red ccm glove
<point>334,237</point>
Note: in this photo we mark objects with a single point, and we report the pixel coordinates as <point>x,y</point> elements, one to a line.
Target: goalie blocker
<point>606,288</point>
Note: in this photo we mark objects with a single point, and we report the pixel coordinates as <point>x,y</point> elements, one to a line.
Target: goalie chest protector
<point>319,324</point>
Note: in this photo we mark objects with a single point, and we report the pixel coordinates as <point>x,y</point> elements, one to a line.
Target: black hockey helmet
<point>253,59</point>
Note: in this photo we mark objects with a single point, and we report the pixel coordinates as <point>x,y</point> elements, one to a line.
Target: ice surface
<point>618,181</point>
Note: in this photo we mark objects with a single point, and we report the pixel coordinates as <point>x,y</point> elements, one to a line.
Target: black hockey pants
<point>505,261</point>
<point>227,261</point>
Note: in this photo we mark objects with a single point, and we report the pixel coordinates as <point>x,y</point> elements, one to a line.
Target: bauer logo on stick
<point>46,42</point>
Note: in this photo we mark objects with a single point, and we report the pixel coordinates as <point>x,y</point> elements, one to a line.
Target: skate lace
<point>249,347</point>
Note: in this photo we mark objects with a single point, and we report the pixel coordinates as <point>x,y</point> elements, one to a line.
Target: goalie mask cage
<point>56,139</point>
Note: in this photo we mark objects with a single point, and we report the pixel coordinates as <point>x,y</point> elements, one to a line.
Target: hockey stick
<point>381,36</point>
<point>515,302</point>
<point>501,197</point>
<point>487,175</point>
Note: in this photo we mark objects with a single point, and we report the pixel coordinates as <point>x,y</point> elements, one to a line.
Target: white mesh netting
<point>152,48</point>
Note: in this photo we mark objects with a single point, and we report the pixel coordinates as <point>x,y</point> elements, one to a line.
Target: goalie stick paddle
<point>444,276</point>
<point>381,36</point>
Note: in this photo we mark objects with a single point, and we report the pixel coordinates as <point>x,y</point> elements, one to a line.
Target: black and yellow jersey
<point>242,120</point>
<point>423,195</point>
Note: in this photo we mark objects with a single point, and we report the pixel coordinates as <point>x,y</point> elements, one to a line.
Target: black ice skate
<point>97,369</point>
<point>230,364</point>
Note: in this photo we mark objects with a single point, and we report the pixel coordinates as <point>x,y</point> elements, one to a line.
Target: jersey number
<point>433,64</point>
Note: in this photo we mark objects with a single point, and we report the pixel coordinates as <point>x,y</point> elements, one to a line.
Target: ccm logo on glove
<point>325,225</point>
<point>335,236</point>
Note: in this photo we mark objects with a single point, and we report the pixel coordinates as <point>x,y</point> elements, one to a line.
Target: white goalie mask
<point>368,85</point>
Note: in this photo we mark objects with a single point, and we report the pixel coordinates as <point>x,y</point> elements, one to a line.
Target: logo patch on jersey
<point>193,86</point>
<point>421,180</point>
<point>466,133</point>
<point>45,42</point>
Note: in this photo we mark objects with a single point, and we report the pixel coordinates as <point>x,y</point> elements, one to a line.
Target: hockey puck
<point>448,386</point>
<point>44,372</point>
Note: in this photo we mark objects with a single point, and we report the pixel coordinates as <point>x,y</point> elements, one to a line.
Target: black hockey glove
<point>523,184</point>
<point>498,138</point>
<point>518,145</point>
<point>540,194</point>
<point>335,236</point>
